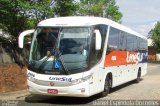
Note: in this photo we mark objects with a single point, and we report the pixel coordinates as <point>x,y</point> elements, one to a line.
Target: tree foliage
<point>155,35</point>
<point>102,8</point>
<point>65,7</point>
<point>18,15</point>
<point>41,9</point>
<point>10,17</point>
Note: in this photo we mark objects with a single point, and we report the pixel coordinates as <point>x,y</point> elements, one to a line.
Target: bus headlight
<point>77,81</point>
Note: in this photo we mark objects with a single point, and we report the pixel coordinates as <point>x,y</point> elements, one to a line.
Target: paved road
<point>147,89</point>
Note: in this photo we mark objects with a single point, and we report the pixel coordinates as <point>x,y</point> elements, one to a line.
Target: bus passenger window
<point>113,40</point>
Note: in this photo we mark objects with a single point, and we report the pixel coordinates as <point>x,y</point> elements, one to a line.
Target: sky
<point>139,15</point>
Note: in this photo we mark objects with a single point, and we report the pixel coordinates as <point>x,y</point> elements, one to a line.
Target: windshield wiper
<point>57,51</point>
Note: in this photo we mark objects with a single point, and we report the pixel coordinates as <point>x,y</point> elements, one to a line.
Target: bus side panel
<point>97,80</point>
<point>143,68</point>
<point>124,65</point>
<point>126,53</point>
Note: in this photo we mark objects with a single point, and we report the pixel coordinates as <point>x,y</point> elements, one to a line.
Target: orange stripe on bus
<point>116,58</point>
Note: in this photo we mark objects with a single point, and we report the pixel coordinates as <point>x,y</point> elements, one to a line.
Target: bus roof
<point>85,21</point>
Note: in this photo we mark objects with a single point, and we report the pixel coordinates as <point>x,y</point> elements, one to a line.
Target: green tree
<point>18,15</point>
<point>155,35</point>
<point>10,20</point>
<point>65,7</point>
<point>112,10</point>
<point>40,9</point>
<point>102,8</point>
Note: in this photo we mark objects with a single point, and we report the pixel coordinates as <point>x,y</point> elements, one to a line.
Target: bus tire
<point>107,86</point>
<point>138,76</point>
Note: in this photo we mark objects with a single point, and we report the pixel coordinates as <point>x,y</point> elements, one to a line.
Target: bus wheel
<point>107,86</point>
<point>138,76</point>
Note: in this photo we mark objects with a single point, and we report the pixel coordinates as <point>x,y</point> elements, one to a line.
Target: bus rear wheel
<point>138,76</point>
<point>107,86</point>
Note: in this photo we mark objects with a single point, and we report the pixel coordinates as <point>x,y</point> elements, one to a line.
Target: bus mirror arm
<point>21,37</point>
<point>98,40</point>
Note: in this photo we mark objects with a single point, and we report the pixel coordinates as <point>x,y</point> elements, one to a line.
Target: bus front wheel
<point>107,86</point>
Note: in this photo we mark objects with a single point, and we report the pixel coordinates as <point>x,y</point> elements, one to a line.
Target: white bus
<point>83,56</point>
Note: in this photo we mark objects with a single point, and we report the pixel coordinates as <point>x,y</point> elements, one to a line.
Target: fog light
<point>83,90</point>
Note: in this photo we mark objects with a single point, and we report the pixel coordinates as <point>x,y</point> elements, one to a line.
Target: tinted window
<point>113,39</point>
<point>143,44</point>
<point>122,41</point>
<point>130,42</point>
<point>116,40</point>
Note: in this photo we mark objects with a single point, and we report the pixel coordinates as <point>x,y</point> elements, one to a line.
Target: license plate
<point>52,91</point>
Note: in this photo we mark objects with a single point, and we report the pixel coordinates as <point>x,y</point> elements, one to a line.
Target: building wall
<point>151,54</point>
<point>12,78</point>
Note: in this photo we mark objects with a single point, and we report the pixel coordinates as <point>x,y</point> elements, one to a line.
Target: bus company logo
<point>51,84</point>
<point>60,79</point>
<point>134,57</point>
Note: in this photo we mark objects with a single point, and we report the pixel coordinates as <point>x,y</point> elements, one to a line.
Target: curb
<point>14,95</point>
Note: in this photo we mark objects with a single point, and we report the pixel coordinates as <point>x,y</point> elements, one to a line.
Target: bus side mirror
<point>21,37</point>
<point>98,40</point>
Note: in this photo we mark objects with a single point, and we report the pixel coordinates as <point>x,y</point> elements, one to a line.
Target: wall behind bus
<point>153,55</point>
<point>12,78</point>
<point>12,67</point>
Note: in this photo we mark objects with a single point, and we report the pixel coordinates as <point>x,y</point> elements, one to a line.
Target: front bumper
<point>78,90</point>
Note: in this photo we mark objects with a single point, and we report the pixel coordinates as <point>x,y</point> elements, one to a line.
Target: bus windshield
<point>59,50</point>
